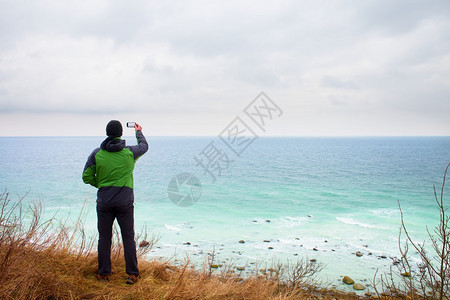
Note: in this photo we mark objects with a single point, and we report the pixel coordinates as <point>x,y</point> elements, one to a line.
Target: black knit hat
<point>114,129</point>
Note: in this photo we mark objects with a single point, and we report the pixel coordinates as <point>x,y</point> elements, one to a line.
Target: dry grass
<point>42,260</point>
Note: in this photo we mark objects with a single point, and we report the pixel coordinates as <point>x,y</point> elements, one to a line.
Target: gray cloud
<point>189,56</point>
<point>333,82</point>
<point>398,17</point>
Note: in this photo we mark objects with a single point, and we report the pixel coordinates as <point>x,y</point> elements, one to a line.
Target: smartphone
<point>131,124</point>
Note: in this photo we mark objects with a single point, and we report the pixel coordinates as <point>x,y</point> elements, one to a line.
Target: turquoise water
<point>337,195</point>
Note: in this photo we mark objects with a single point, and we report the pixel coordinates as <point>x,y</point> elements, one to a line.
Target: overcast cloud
<point>190,67</point>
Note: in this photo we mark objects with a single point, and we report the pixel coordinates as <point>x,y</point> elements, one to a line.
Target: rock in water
<point>143,244</point>
<point>242,241</point>
<point>240,268</point>
<point>358,286</point>
<point>348,280</point>
<point>406,274</point>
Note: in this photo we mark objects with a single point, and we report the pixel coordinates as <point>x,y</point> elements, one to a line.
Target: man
<point>110,169</point>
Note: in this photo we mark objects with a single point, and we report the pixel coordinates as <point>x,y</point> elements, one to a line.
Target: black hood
<point>112,144</point>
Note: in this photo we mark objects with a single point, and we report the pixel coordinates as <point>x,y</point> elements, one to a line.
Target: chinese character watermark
<point>238,136</point>
<point>213,160</point>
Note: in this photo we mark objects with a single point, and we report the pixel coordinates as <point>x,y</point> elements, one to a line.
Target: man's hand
<point>137,127</point>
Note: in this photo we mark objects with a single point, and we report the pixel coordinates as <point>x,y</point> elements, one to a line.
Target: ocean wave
<point>172,228</point>
<point>385,212</point>
<point>350,221</point>
<point>293,221</point>
<point>285,221</point>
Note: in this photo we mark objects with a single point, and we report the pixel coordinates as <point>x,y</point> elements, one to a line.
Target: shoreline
<point>250,267</point>
<point>48,259</point>
<point>360,263</point>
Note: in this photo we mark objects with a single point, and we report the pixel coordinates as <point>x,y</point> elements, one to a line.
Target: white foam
<point>172,228</point>
<point>293,221</point>
<point>351,221</point>
<point>385,212</point>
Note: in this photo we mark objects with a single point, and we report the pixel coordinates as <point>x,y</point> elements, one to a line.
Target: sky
<point>334,68</point>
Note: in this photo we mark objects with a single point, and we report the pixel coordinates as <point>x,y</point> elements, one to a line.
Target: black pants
<point>125,218</point>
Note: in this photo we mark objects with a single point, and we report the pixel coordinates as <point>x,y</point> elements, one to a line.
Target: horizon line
<point>213,136</point>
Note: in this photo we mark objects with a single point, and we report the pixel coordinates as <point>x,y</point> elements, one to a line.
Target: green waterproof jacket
<point>110,169</point>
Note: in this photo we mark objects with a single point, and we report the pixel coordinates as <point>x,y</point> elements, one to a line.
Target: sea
<point>276,200</point>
